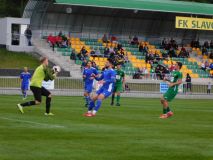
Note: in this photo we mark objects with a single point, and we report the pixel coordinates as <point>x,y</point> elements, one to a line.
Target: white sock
<point>94,112</point>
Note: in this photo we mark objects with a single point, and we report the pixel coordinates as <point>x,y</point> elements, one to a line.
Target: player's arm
<point>124,81</point>
<point>99,78</point>
<point>179,81</point>
<point>84,74</point>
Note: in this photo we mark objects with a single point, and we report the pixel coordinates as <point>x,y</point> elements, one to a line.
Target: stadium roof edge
<point>146,5</point>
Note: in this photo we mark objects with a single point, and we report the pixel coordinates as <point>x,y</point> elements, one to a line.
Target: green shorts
<point>170,94</point>
<point>118,88</point>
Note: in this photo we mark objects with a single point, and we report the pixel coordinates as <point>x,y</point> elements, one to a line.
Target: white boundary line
<point>31,122</point>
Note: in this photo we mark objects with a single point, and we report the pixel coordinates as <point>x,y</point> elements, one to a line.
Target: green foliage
<point>12,8</point>
<point>17,60</point>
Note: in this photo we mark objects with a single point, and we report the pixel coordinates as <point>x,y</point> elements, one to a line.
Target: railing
<point>74,86</point>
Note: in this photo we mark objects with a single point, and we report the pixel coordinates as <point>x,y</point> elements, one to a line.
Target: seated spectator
<point>106,51</point>
<point>164,53</point>
<point>73,55</point>
<point>156,56</point>
<point>84,51</point>
<point>164,43</point>
<point>111,50</point>
<point>119,46</point>
<point>105,39</point>
<point>98,52</point>
<point>172,53</point>
<point>63,44</point>
<point>146,48</point>
<point>203,67</point>
<point>114,39</point>
<point>92,53</point>
<point>204,51</point>
<point>60,34</point>
<point>211,44</point>
<point>141,48</point>
<point>206,64</point>
<point>211,55</point>
<point>206,44</point>
<point>135,41</point>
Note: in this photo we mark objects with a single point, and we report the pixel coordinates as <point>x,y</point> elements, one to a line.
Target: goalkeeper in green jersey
<point>174,81</point>
<point>42,72</point>
<point>119,85</point>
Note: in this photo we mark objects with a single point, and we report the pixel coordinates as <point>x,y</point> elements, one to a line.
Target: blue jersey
<point>88,72</point>
<point>109,77</point>
<point>25,76</point>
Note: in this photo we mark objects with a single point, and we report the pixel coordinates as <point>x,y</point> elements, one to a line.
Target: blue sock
<point>87,98</point>
<point>91,105</point>
<point>98,104</point>
<point>24,94</point>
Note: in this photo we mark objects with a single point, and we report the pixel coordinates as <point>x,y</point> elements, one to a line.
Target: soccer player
<point>174,81</point>
<point>25,80</point>
<point>119,85</point>
<point>89,74</point>
<point>41,73</point>
<point>107,78</point>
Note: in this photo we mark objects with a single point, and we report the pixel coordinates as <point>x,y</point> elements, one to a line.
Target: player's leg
<point>113,95</point>
<point>91,106</point>
<point>100,98</point>
<point>118,98</point>
<point>113,98</point>
<point>118,91</point>
<point>87,91</point>
<point>47,94</point>
<point>37,96</point>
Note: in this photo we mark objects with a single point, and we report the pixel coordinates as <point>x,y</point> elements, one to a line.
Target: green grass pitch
<point>130,132</point>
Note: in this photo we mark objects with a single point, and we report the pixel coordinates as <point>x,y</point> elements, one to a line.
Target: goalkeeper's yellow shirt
<point>38,77</point>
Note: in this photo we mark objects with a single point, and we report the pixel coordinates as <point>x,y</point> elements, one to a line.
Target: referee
<point>41,73</point>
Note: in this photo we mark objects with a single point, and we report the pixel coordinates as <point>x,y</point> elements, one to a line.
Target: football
<point>57,69</point>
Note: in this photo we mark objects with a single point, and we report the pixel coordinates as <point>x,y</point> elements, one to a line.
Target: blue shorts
<point>88,88</point>
<point>105,91</point>
<point>24,87</point>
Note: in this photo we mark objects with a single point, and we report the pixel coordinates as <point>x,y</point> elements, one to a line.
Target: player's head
<point>44,61</point>
<point>109,64</point>
<point>178,66</point>
<point>89,64</point>
<point>118,66</point>
<point>25,69</point>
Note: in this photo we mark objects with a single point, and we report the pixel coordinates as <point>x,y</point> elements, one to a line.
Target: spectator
<point>135,41</point>
<point>98,52</point>
<point>92,53</point>
<point>63,44</point>
<point>106,51</point>
<point>206,64</point>
<point>84,51</point>
<point>211,44</point>
<point>105,39</point>
<point>188,83</point>
<point>204,51</point>
<point>28,35</point>
<point>203,67</point>
<point>60,34</point>
<point>73,55</point>
<point>164,53</point>
<point>164,43</point>
<point>209,87</point>
<point>141,47</point>
<point>114,39</point>
<point>211,55</point>
<point>206,44</point>
<point>172,53</point>
<point>52,41</point>
<point>127,87</point>
<point>152,73</point>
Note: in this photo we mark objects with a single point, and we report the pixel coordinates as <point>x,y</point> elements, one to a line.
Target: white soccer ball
<point>57,69</point>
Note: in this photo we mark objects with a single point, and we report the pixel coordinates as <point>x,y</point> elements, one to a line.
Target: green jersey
<point>119,76</point>
<point>41,73</point>
<point>175,76</point>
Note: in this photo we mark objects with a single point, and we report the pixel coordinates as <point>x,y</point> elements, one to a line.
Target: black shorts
<point>38,92</point>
